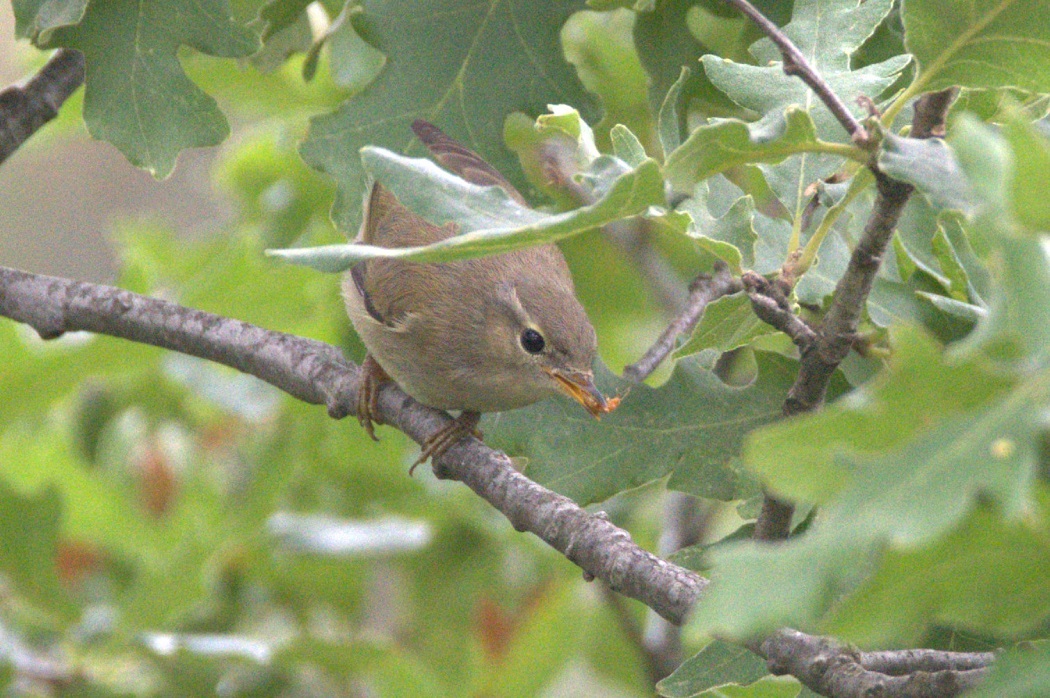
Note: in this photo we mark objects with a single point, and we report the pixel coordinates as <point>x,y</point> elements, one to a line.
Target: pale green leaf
<point>958,280</point>
<point>626,146</point>
<point>730,237</point>
<point>726,143</point>
<point>964,311</point>
<point>355,63</point>
<point>669,120</point>
<point>488,219</point>
<point>768,687</point>
<point>930,166</point>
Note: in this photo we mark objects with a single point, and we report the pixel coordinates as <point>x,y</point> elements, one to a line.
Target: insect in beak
<point>580,387</point>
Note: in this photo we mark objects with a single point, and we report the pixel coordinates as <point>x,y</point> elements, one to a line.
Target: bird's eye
<point>532,341</point>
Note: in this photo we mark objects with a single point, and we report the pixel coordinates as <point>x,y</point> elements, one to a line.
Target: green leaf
<point>958,281</point>
<point>801,458</point>
<point>35,19</point>
<point>489,221</point>
<point>988,574</point>
<point>954,230</point>
<point>918,463</point>
<point>985,157</point>
<point>964,311</point>
<point>726,143</point>
<point>669,121</point>
<point>1021,672</point>
<point>979,43</point>
<point>29,528</point>
<point>727,323</point>
<point>560,137</point>
<point>930,166</point>
<point>137,96</point>
<point>769,687</point>
<point>463,68</point>
<point>692,426</point>
<point>1031,149</point>
<point>1017,327</point>
<point>730,237</point>
<point>599,45</point>
<point>717,664</point>
<point>827,32</point>
<point>626,146</point>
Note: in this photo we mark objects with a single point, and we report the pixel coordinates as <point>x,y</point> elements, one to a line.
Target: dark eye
<point>532,341</point>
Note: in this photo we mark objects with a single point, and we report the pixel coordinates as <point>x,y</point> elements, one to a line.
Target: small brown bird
<point>478,335</point>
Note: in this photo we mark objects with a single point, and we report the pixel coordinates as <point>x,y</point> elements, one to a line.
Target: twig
<point>900,662</point>
<point>796,64</point>
<point>704,291</point>
<point>316,373</point>
<point>832,668</point>
<point>25,108</point>
<point>772,308</point>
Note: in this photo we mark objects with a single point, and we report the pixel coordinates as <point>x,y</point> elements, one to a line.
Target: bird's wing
<point>393,289</point>
<point>460,159</point>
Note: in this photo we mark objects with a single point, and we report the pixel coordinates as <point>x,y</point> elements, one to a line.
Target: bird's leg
<point>466,424</point>
<point>372,377</point>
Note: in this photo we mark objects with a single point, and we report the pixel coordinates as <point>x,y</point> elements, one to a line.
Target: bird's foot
<point>466,424</point>
<point>372,378</point>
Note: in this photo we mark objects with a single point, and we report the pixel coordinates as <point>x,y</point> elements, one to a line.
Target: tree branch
<point>796,64</point>
<point>832,668</point>
<point>900,662</point>
<point>704,290</point>
<point>25,108</point>
<point>317,373</point>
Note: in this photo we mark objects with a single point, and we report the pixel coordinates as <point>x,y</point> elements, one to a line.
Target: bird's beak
<point>580,387</point>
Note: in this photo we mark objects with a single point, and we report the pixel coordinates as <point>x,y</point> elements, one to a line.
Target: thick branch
<point>796,64</point>
<point>831,668</point>
<point>25,108</point>
<point>704,291</point>
<point>318,374</point>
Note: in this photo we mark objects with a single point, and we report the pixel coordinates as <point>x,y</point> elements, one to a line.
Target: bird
<point>479,335</point>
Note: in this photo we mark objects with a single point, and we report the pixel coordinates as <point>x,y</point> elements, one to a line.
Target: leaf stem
<point>796,64</point>
<point>860,183</point>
